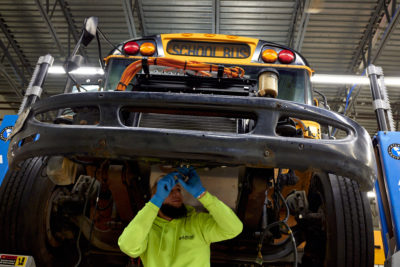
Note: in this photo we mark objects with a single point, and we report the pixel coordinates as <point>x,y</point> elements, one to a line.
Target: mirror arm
<point>99,51</point>
<point>108,41</point>
<point>78,44</point>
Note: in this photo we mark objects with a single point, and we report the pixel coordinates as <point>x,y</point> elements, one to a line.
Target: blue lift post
<point>387,149</point>
<point>13,123</point>
<point>5,131</point>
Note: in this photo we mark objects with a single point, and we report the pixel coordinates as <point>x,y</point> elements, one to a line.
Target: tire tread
<point>11,193</point>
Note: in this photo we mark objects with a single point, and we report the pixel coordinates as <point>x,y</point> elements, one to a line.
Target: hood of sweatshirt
<point>173,224</point>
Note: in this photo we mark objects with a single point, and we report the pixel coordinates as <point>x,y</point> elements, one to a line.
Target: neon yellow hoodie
<point>180,242</point>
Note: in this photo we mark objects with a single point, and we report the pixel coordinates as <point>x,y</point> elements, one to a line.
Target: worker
<point>167,233</point>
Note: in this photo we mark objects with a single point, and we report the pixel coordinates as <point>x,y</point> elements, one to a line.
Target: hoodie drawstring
<point>161,240</point>
<point>176,240</point>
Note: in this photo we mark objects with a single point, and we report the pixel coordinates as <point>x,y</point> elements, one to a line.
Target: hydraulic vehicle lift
<point>387,152</point>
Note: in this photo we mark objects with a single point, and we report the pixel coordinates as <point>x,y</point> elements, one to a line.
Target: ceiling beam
<point>16,69</point>
<point>292,28</point>
<point>71,24</point>
<point>141,13</point>
<point>130,22</point>
<point>373,37</point>
<point>386,36</point>
<point>138,15</point>
<point>302,29</point>
<point>10,81</point>
<point>10,38</point>
<point>363,48</point>
<point>50,26</point>
<point>367,36</point>
<point>216,16</point>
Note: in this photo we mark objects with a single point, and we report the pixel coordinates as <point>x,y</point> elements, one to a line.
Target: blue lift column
<point>389,153</point>
<point>5,130</point>
<point>387,149</point>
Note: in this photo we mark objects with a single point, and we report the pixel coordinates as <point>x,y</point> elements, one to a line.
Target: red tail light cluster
<point>146,49</point>
<point>284,56</point>
<point>131,48</point>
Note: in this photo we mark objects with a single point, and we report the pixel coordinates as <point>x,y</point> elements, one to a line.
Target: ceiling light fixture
<point>315,79</point>
<point>339,79</point>
<point>350,79</point>
<point>80,71</point>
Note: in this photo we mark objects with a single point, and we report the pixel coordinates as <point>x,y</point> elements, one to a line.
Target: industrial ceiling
<point>337,37</point>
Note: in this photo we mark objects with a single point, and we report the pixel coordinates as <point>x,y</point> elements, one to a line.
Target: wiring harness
<point>199,68</point>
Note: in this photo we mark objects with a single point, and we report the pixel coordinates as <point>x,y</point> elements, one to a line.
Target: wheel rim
<point>49,213</point>
<point>316,229</point>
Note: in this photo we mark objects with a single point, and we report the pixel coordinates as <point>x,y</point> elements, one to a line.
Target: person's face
<point>175,197</point>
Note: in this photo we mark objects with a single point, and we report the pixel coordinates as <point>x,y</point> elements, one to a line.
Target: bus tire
<point>24,199</point>
<point>344,237</point>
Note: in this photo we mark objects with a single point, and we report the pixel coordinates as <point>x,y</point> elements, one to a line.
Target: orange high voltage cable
<point>199,67</point>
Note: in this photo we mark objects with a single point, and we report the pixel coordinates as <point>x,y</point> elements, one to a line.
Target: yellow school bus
<point>240,110</point>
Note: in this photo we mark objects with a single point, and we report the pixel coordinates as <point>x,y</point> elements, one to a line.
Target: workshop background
<point>336,37</point>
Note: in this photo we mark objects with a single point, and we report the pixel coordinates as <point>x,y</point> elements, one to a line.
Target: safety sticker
<point>394,151</point>
<point>8,260</point>
<point>13,260</point>
<point>5,133</point>
<point>21,261</point>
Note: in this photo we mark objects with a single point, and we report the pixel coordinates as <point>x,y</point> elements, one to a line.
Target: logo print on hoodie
<point>186,237</point>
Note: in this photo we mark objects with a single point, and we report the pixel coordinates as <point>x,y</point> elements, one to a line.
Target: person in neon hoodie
<point>167,233</point>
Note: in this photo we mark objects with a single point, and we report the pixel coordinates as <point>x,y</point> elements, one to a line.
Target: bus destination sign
<point>206,49</point>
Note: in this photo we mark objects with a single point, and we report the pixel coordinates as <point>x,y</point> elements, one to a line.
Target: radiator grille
<point>187,122</point>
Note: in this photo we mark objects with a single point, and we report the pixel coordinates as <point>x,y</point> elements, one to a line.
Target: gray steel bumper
<point>352,156</point>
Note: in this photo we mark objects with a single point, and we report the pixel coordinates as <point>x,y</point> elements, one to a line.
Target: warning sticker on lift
<point>13,260</point>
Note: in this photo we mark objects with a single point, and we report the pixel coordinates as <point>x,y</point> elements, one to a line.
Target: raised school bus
<point>240,110</point>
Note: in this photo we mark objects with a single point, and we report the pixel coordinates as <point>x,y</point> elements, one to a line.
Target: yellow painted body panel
<point>314,130</point>
<point>379,252</point>
<point>311,129</point>
<point>206,37</point>
<point>215,38</point>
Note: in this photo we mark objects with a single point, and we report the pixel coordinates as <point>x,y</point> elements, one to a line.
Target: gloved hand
<point>193,185</point>
<point>164,187</point>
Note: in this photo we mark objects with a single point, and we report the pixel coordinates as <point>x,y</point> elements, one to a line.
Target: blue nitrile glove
<point>193,185</point>
<point>164,187</point>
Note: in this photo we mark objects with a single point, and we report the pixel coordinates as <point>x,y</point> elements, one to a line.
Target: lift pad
<point>7,260</point>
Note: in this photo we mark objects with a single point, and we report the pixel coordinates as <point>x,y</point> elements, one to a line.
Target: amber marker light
<point>147,49</point>
<point>269,56</point>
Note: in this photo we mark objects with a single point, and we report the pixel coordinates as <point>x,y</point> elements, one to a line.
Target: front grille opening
<point>190,120</point>
<point>71,116</point>
<point>29,139</point>
<point>338,134</point>
<point>295,127</point>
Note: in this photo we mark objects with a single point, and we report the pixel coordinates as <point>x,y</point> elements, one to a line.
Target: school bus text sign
<point>208,49</point>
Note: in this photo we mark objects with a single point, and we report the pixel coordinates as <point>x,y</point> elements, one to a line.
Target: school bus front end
<point>210,101</point>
